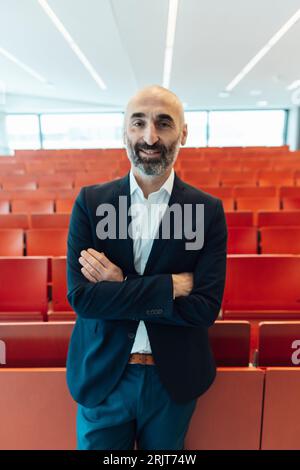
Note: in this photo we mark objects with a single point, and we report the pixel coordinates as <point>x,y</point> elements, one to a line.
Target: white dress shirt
<point>146,217</point>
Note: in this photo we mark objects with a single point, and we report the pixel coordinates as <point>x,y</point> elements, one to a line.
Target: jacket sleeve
<point>132,299</point>
<point>148,298</point>
<point>201,307</point>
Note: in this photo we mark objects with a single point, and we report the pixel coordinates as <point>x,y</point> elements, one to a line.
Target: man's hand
<point>182,284</point>
<point>97,267</point>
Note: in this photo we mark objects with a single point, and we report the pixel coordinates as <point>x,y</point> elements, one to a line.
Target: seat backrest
<point>59,285</point>
<point>262,282</point>
<point>49,220</point>
<point>11,242</point>
<point>46,242</point>
<point>275,218</point>
<point>230,342</point>
<point>279,344</point>
<point>23,284</point>
<point>242,240</point>
<point>280,240</point>
<point>36,344</point>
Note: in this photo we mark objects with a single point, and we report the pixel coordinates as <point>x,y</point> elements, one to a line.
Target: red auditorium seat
<point>218,191</point>
<point>200,178</point>
<point>228,415</point>
<point>278,218</point>
<point>55,181</point>
<point>242,240</point>
<point>291,204</point>
<point>280,240</point>
<point>36,344</point>
<point>258,204</point>
<point>230,342</point>
<point>256,164</point>
<point>87,179</point>
<point>239,219</point>
<point>11,242</point>
<point>262,287</point>
<point>276,178</point>
<point>281,411</point>
<point>279,344</point>
<point>254,191</point>
<point>289,192</point>
<point>60,308</point>
<point>23,288</point>
<point>228,204</point>
<point>46,242</point>
<point>49,220</point>
<point>37,409</point>
<point>14,221</point>
<point>32,206</point>
<point>64,206</point>
<point>8,185</point>
<point>4,207</point>
<point>236,178</point>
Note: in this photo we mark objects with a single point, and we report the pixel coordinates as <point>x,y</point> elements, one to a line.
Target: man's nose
<point>150,135</point>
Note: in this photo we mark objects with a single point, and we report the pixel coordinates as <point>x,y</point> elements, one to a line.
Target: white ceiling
<point>124,40</point>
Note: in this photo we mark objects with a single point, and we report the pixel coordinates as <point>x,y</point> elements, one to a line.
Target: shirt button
<point>131,335</point>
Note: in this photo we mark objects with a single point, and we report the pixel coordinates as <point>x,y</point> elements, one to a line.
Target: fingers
<point>88,275</point>
<point>99,256</point>
<point>92,265</point>
<point>94,262</point>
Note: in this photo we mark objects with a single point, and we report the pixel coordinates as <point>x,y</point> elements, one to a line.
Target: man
<point>139,354</point>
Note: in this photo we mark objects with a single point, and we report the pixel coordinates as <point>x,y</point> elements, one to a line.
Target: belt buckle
<point>144,359</point>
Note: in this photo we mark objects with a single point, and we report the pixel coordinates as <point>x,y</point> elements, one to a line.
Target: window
<point>197,124</point>
<point>246,128</point>
<point>23,131</point>
<point>82,130</point>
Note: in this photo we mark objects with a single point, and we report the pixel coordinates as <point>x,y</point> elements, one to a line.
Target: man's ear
<point>184,134</point>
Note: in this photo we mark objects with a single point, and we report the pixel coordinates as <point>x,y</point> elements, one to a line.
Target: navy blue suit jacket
<point>108,313</point>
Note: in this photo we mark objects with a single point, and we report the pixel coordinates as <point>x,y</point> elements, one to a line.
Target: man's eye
<point>164,124</point>
<point>138,123</point>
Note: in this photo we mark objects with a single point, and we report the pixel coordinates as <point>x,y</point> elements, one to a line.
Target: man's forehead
<point>153,106</point>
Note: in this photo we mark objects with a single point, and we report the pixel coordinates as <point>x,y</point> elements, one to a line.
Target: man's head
<point>154,129</point>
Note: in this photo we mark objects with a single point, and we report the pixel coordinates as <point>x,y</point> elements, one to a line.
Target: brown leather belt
<point>138,358</point>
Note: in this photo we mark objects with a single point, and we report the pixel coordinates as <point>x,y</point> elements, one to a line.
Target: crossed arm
<point>97,289</point>
<point>96,267</point>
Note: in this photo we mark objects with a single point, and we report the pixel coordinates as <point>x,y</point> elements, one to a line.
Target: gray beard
<point>153,166</point>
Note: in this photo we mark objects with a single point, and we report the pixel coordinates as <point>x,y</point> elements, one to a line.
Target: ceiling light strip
<point>23,66</point>
<point>271,43</point>
<point>171,30</point>
<point>61,28</point>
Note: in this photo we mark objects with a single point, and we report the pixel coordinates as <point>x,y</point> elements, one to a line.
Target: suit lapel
<point>123,249</point>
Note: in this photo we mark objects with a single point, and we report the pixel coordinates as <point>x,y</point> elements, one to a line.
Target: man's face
<point>153,133</point>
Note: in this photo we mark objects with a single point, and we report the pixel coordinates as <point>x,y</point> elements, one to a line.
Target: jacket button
<point>131,335</point>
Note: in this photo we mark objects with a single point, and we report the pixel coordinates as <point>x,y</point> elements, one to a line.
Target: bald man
<point>146,268</point>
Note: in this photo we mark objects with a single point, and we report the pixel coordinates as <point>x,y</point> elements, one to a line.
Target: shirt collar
<point>167,186</point>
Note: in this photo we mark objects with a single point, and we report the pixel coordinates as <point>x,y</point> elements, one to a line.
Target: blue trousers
<point>139,409</point>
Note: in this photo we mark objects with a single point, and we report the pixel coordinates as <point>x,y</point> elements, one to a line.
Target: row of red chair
<point>45,344</point>
<point>49,206</point>
<point>193,177</point>
<point>261,287</point>
<point>241,240</point>
<point>245,409</point>
<point>233,218</point>
<point>33,242</point>
<point>261,204</point>
<point>36,206</point>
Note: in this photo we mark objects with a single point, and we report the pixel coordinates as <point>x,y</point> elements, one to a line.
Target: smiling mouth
<point>150,153</point>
